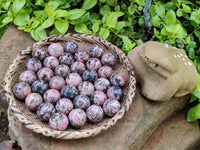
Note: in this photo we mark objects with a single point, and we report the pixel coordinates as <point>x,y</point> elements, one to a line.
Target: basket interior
<point>84,45</point>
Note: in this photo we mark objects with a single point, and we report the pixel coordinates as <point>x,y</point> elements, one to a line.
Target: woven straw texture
<point>30,119</point>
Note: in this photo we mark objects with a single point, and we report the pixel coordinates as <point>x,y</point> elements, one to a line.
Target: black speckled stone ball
<point>69,91</point>
<point>78,67</point>
<point>28,77</point>
<point>62,70</point>
<point>33,64</point>
<point>39,53</point>
<point>66,58</point>
<point>45,110</point>
<point>70,47</point>
<point>90,75</point>
<point>81,101</point>
<point>45,74</point>
<point>40,86</point>
<point>108,59</point>
<point>102,84</point>
<point>82,56</point>
<point>96,51</point>
<point>111,107</point>
<point>115,92</point>
<point>94,113</point>
<point>21,90</point>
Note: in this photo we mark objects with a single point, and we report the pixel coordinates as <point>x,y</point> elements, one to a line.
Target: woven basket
<point>30,119</point>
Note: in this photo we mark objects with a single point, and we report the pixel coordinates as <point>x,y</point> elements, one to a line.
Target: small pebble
<point>45,111</point>
<point>93,64</point>
<point>81,101</point>
<point>57,82</point>
<point>108,59</point>
<point>73,79</point>
<point>51,96</point>
<point>77,118</point>
<point>86,88</point>
<point>94,113</point>
<point>58,121</point>
<point>66,59</point>
<point>111,107</point>
<point>21,90</point>
<point>70,47</point>
<point>33,64</point>
<point>45,74</point>
<point>28,77</point>
<point>64,105</point>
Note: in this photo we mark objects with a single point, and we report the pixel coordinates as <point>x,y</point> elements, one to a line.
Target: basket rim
<point>76,134</point>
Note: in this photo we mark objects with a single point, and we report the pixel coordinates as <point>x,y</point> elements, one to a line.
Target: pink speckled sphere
<point>73,79</point>
<point>57,82</point>
<point>115,92</point>
<point>51,62</point>
<point>39,53</point>
<point>40,86</point>
<point>77,118</point>
<point>81,55</point>
<point>33,64</point>
<point>118,79</point>
<point>81,101</point>
<point>96,51</point>
<point>105,72</point>
<point>45,74</point>
<point>51,96</point>
<point>55,49</point>
<point>111,107</point>
<point>93,64</point>
<point>86,88</point>
<point>102,84</point>
<point>33,100</point>
<point>108,59</point>
<point>66,58</point>
<point>64,105</point>
<point>78,67</point>
<point>45,111</point>
<point>28,77</point>
<point>21,90</point>
<point>62,70</point>
<point>98,98</point>
<point>70,47</point>
<point>94,113</point>
<point>58,121</point>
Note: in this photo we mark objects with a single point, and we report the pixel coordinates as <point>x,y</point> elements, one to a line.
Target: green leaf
<point>88,4</point>
<point>141,21</point>
<point>111,21</point>
<point>82,28</point>
<point>22,18</point>
<point>120,25</point>
<point>76,13</point>
<point>186,8</point>
<point>47,23</point>
<point>54,32</point>
<point>62,26</point>
<point>140,2</point>
<point>18,5</point>
<point>6,20</point>
<point>49,11</point>
<point>54,3</point>
<point>170,17</point>
<point>6,5</point>
<point>39,3</point>
<point>105,10</point>
<point>179,12</point>
<point>194,113</point>
<point>104,33</point>
<point>61,13</point>
<point>160,10</point>
<point>155,21</point>
<point>191,54</point>
<point>153,10</point>
<point>111,2</point>
<point>192,98</point>
<point>131,9</point>
<point>95,27</point>
<point>38,33</point>
<point>195,16</point>
<point>93,17</point>
<point>117,8</point>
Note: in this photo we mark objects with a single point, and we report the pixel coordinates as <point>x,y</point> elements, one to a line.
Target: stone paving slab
<point>11,43</point>
<point>175,134</point>
<point>129,133</point>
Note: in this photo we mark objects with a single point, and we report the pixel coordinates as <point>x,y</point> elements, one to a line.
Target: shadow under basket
<point>33,122</point>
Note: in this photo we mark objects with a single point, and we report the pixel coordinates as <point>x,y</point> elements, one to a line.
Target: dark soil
<point>3,127</point>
